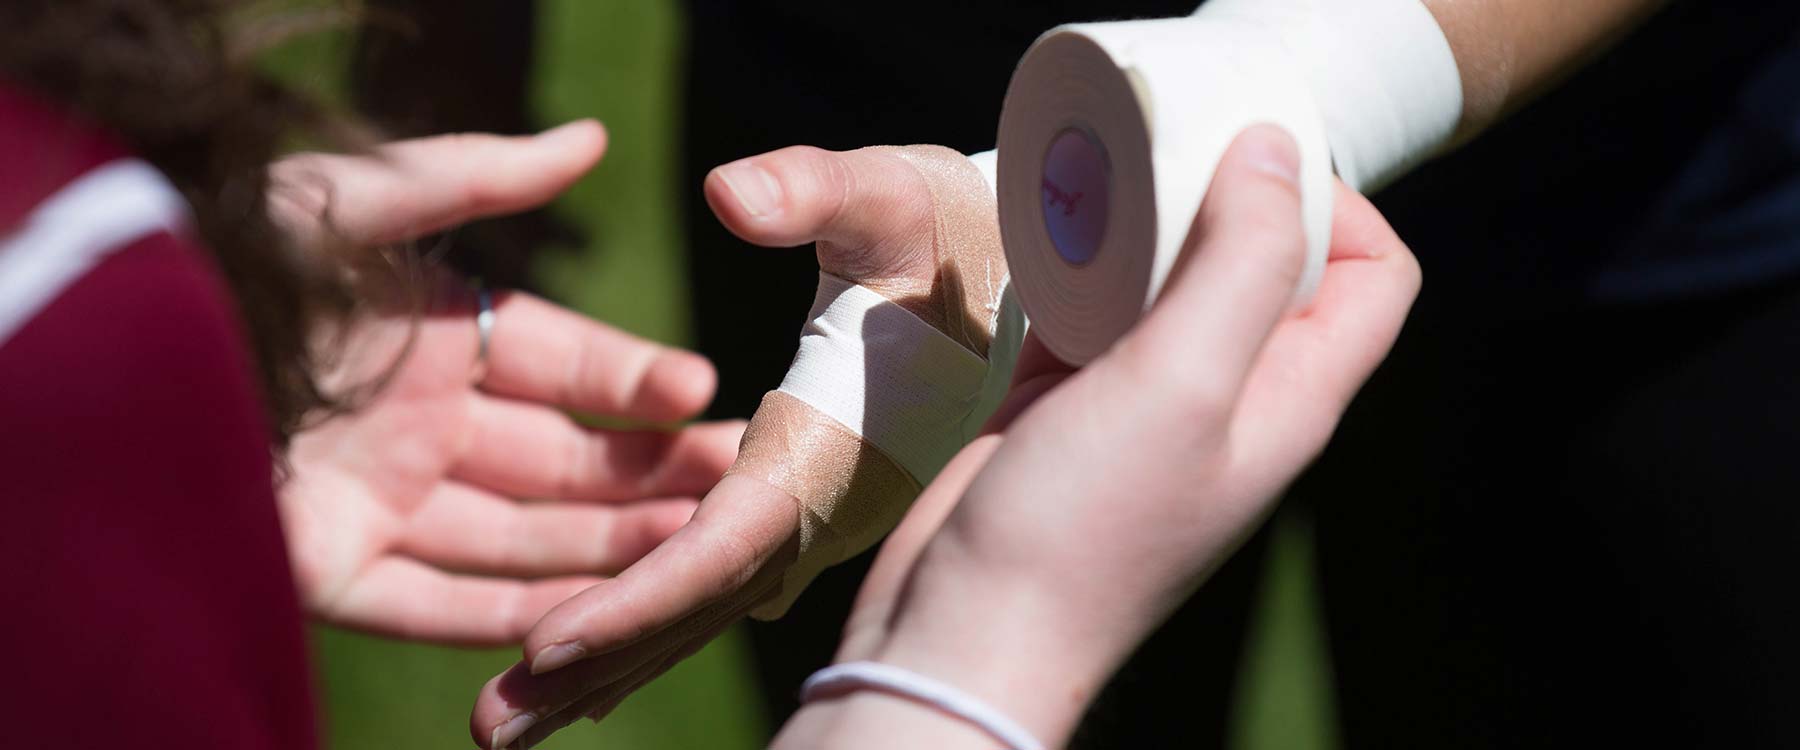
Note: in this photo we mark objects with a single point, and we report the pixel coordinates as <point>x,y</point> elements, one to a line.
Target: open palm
<point>460,502</point>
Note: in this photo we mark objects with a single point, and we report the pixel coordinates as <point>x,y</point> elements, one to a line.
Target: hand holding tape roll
<point>1111,131</point>
<point>1126,121</point>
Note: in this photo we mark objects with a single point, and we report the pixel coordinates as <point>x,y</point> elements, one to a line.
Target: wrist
<point>1031,650</point>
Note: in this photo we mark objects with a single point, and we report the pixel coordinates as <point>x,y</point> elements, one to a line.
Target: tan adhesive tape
<point>1108,141</point>
<point>849,494</point>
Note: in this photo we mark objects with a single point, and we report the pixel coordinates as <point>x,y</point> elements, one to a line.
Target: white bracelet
<point>843,678</point>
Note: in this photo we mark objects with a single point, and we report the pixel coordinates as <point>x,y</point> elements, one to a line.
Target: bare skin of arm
<point>1509,51</point>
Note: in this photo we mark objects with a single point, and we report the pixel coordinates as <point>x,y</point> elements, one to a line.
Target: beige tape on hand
<point>892,377</point>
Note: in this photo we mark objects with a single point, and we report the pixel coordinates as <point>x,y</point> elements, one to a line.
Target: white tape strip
<point>1008,326</point>
<point>886,375</point>
<point>987,163</point>
<point>102,211</point>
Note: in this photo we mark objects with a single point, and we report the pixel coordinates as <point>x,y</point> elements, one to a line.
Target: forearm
<point>1508,51</point>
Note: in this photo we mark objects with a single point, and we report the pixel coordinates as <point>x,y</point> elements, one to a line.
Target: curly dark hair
<point>176,80</point>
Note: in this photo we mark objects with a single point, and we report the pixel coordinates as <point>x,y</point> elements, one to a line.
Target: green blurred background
<point>620,61</point>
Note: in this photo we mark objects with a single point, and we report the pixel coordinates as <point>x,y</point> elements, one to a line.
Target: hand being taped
<point>915,225</point>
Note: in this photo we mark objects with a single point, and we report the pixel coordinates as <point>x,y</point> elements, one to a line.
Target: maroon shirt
<point>147,596</point>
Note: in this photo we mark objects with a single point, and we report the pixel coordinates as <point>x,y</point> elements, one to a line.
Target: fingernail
<point>1270,150</point>
<point>510,730</point>
<point>556,656</point>
<point>755,189</point>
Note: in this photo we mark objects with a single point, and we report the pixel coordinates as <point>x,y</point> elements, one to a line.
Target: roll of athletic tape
<point>1108,140</point>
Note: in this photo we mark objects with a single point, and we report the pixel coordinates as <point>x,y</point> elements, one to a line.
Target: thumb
<point>1234,281</point>
<point>869,209</point>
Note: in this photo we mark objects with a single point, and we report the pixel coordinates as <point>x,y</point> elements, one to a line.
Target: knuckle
<point>807,168</point>
<point>571,479</point>
<point>837,181</point>
<point>482,189</point>
<point>638,381</point>
<point>878,216</point>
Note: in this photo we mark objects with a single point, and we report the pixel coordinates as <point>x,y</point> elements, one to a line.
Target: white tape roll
<point>1108,141</point>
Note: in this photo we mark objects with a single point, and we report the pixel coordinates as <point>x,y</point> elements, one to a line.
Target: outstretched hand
<point>461,503</point>
<point>871,215</point>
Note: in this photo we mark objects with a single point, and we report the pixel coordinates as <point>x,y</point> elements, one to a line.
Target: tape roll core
<point>1077,184</point>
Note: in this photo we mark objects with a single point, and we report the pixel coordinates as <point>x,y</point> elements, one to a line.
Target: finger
<point>465,529</point>
<point>1315,364</point>
<point>1036,360</point>
<point>516,701</point>
<point>861,202</point>
<point>408,189</point>
<point>618,692</point>
<point>1358,230</point>
<point>742,525</point>
<point>1236,278</point>
<point>602,701</point>
<point>404,598</point>
<point>1035,373</point>
<point>526,450</point>
<point>540,352</point>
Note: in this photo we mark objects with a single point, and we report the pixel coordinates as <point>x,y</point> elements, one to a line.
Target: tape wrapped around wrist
<point>1110,134</point>
<point>1381,72</point>
<point>890,380</point>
